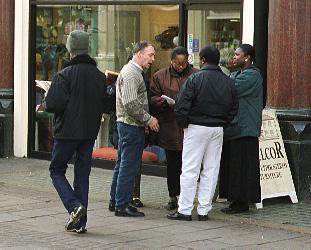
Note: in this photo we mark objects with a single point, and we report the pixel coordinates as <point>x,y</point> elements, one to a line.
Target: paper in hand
<point>111,76</point>
<point>45,85</point>
<point>168,99</point>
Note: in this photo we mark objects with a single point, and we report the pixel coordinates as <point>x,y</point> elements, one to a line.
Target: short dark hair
<point>210,54</point>
<point>141,46</point>
<point>130,57</point>
<point>248,50</point>
<point>179,51</point>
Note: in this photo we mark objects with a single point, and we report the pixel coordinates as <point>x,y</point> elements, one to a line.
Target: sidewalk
<point>32,217</point>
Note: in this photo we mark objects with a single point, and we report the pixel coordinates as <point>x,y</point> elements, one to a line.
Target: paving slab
<point>32,217</point>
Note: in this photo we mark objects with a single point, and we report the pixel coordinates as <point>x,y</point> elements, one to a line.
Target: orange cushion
<point>105,153</point>
<point>112,154</point>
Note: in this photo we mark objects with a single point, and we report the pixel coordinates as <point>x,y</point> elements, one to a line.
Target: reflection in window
<point>217,26</point>
<point>113,30</point>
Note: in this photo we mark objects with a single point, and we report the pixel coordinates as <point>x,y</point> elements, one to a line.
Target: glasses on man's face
<point>180,64</point>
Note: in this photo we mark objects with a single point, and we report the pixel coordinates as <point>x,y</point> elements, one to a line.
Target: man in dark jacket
<point>207,102</point>
<point>168,81</point>
<point>78,98</point>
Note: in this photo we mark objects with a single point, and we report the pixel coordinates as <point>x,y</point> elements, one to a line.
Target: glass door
<point>113,30</point>
<point>216,25</point>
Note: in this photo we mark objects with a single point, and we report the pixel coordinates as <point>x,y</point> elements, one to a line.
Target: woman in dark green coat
<point>240,172</point>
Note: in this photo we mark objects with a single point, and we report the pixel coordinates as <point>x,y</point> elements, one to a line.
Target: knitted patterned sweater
<point>131,97</point>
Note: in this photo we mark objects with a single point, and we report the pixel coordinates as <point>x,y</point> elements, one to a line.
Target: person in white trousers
<point>206,103</point>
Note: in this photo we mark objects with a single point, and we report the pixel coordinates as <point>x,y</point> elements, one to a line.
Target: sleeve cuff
<point>149,121</point>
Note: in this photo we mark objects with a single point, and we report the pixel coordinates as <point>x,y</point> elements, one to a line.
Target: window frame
<point>184,7</point>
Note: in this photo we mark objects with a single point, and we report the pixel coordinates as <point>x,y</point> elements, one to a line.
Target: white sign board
<point>275,176</point>
<point>190,43</point>
<point>190,48</point>
<point>191,58</point>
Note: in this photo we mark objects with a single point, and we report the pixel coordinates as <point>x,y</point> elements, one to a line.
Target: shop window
<point>113,30</point>
<point>216,25</point>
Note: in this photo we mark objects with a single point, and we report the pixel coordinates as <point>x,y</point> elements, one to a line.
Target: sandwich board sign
<point>275,176</point>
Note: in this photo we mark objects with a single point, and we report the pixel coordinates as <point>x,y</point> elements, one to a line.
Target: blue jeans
<point>130,150</point>
<point>63,150</point>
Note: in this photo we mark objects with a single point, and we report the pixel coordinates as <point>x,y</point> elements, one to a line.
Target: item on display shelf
<point>168,99</point>
<point>167,36</point>
<point>111,76</point>
<point>224,38</point>
<point>45,85</point>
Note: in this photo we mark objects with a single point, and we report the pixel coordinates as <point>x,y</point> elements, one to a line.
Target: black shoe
<point>227,210</point>
<point>136,202</point>
<point>128,212</point>
<point>202,217</point>
<point>81,230</point>
<point>234,205</point>
<point>111,207</point>
<point>172,204</point>
<point>74,218</point>
<point>234,210</point>
<point>78,229</point>
<point>179,216</point>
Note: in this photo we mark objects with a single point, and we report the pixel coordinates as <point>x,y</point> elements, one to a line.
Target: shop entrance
<point>113,30</point>
<point>216,25</point>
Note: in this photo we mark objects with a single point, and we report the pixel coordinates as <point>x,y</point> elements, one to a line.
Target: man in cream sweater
<point>132,118</point>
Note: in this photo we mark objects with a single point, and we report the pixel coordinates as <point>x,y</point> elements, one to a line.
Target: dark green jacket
<point>248,120</point>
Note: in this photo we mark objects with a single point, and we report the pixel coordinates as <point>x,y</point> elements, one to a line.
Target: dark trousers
<point>130,150</point>
<point>114,138</point>
<point>136,191</point>
<point>240,171</point>
<point>62,153</point>
<point>174,163</point>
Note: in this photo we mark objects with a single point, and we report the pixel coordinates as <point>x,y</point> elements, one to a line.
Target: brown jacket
<point>167,82</point>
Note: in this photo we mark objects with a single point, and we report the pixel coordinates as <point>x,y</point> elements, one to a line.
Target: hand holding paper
<point>169,100</point>
<point>111,76</point>
<point>45,85</point>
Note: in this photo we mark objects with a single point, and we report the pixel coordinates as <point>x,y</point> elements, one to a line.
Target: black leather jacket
<point>78,98</point>
<point>208,98</point>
